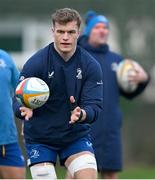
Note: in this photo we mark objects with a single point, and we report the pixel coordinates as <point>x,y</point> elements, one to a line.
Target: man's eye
<point>71,32</point>
<point>60,32</point>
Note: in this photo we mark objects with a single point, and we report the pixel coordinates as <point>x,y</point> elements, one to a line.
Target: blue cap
<point>92,19</point>
<point>89,15</point>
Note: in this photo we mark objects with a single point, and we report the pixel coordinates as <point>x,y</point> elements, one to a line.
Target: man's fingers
<point>72,99</point>
<point>22,108</point>
<point>78,109</point>
<point>23,113</point>
<point>26,112</point>
<point>75,115</point>
<point>74,118</point>
<point>27,117</point>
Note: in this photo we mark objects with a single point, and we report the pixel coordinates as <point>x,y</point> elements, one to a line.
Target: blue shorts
<point>11,155</point>
<point>38,153</point>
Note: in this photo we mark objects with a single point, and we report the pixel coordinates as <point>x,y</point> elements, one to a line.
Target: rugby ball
<point>124,69</point>
<point>32,92</point>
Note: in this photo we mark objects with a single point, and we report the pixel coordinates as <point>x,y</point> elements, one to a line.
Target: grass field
<point>130,173</point>
<point>138,173</point>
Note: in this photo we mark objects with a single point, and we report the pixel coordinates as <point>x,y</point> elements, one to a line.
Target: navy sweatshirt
<point>79,77</point>
<point>110,118</point>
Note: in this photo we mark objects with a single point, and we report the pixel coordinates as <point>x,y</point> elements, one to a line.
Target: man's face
<point>99,34</point>
<point>65,36</point>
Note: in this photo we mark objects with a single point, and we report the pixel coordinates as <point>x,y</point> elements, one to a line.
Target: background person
<point>106,131</point>
<point>11,158</point>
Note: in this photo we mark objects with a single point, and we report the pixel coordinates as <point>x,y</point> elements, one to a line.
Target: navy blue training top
<point>80,77</point>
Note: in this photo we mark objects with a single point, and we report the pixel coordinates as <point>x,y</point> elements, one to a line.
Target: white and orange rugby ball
<point>124,69</point>
<point>32,92</point>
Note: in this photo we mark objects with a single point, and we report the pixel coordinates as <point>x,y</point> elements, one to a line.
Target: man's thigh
<point>79,159</point>
<point>9,172</point>
<point>82,166</point>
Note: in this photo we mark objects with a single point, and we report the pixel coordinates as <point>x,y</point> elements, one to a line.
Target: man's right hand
<point>26,112</point>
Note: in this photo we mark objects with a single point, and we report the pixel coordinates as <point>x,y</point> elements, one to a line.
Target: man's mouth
<point>66,44</point>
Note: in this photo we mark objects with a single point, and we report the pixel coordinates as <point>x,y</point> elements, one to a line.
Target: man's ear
<point>79,32</point>
<point>52,29</point>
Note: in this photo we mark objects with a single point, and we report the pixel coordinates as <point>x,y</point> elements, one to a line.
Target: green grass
<point>138,173</point>
<point>128,173</point>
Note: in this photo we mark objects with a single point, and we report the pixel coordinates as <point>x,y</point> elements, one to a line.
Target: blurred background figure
<point>11,159</point>
<point>106,132</point>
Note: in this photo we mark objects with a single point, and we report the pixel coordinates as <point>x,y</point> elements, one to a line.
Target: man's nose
<point>65,36</point>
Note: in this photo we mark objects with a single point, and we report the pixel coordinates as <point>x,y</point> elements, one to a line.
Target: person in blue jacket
<point>11,159</point>
<point>106,131</point>
<point>61,126</point>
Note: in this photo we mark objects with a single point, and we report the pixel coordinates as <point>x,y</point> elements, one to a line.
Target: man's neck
<point>94,45</point>
<point>65,56</point>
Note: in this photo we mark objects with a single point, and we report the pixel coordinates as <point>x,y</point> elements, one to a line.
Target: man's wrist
<point>82,116</point>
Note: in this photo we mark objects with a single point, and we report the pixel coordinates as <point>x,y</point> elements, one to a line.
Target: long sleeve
<point>32,68</point>
<point>92,92</point>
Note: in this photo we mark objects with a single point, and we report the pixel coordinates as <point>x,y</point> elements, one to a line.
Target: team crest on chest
<point>79,73</point>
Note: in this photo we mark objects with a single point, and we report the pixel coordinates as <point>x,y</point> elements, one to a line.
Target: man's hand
<point>139,76</point>
<point>76,112</point>
<point>26,112</point>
